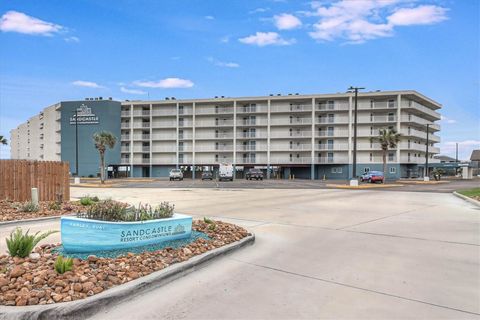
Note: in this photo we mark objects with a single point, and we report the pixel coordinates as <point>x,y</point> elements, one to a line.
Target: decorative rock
<point>17,271</point>
<point>77,287</point>
<point>3,282</point>
<point>34,256</point>
<point>33,301</point>
<point>92,258</point>
<point>57,297</point>
<point>87,286</point>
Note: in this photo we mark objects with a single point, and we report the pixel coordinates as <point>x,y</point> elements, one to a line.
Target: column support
<point>193,141</point>
<point>176,146</point>
<point>268,139</point>
<point>399,114</point>
<point>150,143</point>
<point>131,140</point>
<point>312,165</point>
<point>350,120</point>
<point>234,138</point>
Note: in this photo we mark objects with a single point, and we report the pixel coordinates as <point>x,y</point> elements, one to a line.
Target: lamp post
<point>425,176</point>
<point>354,180</point>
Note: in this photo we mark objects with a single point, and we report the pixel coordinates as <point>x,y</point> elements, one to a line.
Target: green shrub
<point>110,210</point>
<point>208,221</point>
<point>29,206</point>
<point>95,199</point>
<point>21,245</point>
<point>63,265</point>
<point>86,201</point>
<point>54,206</point>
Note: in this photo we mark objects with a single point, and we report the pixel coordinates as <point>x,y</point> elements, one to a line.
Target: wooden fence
<point>18,177</point>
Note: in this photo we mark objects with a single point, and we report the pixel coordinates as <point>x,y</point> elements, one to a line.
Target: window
<point>180,109</point>
<point>330,105</point>
<point>393,170</point>
<point>336,170</point>
<point>180,158</point>
<point>331,118</point>
<point>391,103</point>
<point>372,104</point>
<point>366,170</point>
<point>216,158</point>
<point>391,156</point>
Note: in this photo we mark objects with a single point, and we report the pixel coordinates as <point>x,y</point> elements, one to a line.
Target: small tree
<point>388,139</point>
<point>3,140</point>
<point>102,140</point>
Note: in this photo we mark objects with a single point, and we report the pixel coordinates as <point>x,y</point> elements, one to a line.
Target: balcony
<point>141,149</point>
<point>336,106</point>
<point>125,161</point>
<point>185,124</point>
<point>164,137</point>
<point>125,137</point>
<point>290,135</point>
<point>141,125</point>
<point>291,160</point>
<point>377,105</point>
<point>125,149</point>
<point>212,110</point>
<point>251,122</point>
<point>409,104</point>
<point>252,109</point>
<point>227,148</point>
<point>291,121</point>
<point>213,135</point>
<point>141,137</point>
<point>291,147</point>
<point>125,113</point>
<point>377,119</point>
<point>255,147</point>
<point>420,121</point>
<point>290,108</point>
<point>214,123</point>
<point>333,134</point>
<point>250,135</point>
<point>331,147</point>
<point>419,134</point>
<point>329,120</point>
<point>125,125</point>
<point>164,112</point>
<point>331,160</point>
<point>165,124</point>
<point>143,113</point>
<point>164,149</point>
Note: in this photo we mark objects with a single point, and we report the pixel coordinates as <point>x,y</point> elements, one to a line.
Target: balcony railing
<point>378,119</point>
<point>248,135</point>
<point>291,121</point>
<point>288,135</point>
<point>291,147</point>
<point>210,110</point>
<point>335,120</point>
<point>336,106</point>
<point>169,136</point>
<point>291,108</point>
<point>169,124</point>
<point>164,112</point>
<point>214,123</point>
<point>141,125</point>
<point>421,121</point>
<point>141,137</point>
<point>331,147</point>
<point>125,125</point>
<point>125,161</point>
<point>409,104</point>
<point>336,133</point>
<point>213,135</point>
<point>141,112</point>
<point>252,109</point>
<point>377,105</point>
<point>125,113</point>
<point>252,122</point>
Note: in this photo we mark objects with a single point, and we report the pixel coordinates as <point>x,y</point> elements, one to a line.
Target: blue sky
<point>68,50</point>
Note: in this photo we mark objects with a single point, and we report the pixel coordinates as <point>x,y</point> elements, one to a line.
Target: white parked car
<point>176,174</point>
<point>225,172</point>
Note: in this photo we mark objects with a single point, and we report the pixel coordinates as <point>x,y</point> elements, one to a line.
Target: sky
<point>67,50</point>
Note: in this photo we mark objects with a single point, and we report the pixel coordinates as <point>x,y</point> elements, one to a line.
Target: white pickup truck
<point>225,172</point>
<point>176,174</point>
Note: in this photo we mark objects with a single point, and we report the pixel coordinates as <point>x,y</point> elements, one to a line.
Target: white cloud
<point>167,83</point>
<point>72,39</point>
<point>286,21</point>
<point>219,63</point>
<point>427,14</point>
<point>447,120</point>
<point>14,21</point>
<point>132,91</point>
<point>87,84</point>
<point>361,20</point>
<point>266,38</point>
<point>209,17</point>
<point>259,10</point>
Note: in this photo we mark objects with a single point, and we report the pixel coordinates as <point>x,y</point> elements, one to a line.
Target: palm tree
<point>102,140</point>
<point>388,139</point>
<point>3,140</point>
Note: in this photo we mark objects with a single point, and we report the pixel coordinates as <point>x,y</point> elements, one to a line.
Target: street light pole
<point>426,177</point>
<point>354,180</point>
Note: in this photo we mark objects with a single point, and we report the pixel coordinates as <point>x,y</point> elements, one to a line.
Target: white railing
<point>255,147</point>
<point>331,160</point>
<point>325,106</point>
<point>291,147</point>
<point>141,149</point>
<point>291,121</point>
<point>125,125</point>
<point>164,160</point>
<point>291,108</point>
<point>141,137</point>
<point>170,136</point>
<point>125,113</point>
<point>331,147</point>
<point>213,135</point>
<point>210,110</point>
<point>377,119</point>
<point>170,124</point>
<point>252,109</point>
<point>125,161</point>
<point>141,112</point>
<point>124,137</point>
<point>335,133</point>
<point>377,105</point>
<point>291,160</point>
<point>247,135</point>
<point>164,112</point>
<point>185,124</point>
<point>335,120</point>
<point>415,119</point>
<point>214,123</point>
<point>125,149</point>
<point>228,148</point>
<point>252,122</point>
<point>288,135</point>
<point>415,105</point>
<point>141,125</point>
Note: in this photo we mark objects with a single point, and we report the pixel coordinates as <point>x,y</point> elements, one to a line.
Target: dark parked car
<point>207,175</point>
<point>256,174</point>
<point>373,176</point>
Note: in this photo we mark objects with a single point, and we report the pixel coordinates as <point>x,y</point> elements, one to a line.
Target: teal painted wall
<point>108,113</point>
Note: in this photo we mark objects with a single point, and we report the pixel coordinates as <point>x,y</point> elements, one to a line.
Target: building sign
<point>85,116</point>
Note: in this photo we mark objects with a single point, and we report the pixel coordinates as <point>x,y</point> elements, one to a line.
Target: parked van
<point>225,172</point>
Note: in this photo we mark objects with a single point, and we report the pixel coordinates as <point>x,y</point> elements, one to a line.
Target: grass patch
<point>472,193</point>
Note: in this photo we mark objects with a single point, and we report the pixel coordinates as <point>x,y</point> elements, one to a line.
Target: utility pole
<point>76,142</point>
<point>426,176</point>
<point>354,180</point>
<point>456,158</point>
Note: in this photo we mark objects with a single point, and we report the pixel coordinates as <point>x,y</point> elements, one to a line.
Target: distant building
<point>475,161</point>
<point>309,136</point>
<point>445,159</point>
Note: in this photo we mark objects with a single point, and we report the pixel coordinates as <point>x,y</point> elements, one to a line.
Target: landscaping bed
<point>35,280</point>
<point>10,210</point>
<point>471,193</point>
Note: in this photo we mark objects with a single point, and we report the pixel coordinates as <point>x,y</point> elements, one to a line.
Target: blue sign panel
<point>85,235</point>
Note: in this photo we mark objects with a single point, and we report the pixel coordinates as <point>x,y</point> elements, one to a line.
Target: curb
<point>32,220</point>
<point>84,308</point>
<point>468,199</point>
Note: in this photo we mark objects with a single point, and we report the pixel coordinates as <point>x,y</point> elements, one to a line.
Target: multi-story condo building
<point>306,136</point>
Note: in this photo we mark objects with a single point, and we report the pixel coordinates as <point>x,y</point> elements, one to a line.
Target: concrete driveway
<point>322,254</point>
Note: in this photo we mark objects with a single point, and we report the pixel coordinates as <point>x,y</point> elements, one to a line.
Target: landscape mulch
<point>10,210</point>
